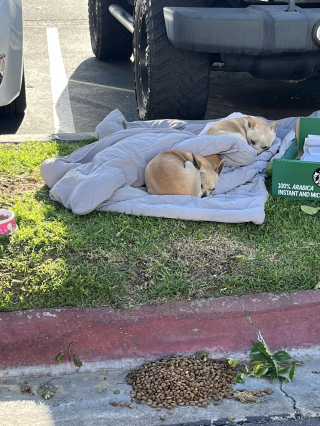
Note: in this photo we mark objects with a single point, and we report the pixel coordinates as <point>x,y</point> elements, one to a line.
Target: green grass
<point>109,259</point>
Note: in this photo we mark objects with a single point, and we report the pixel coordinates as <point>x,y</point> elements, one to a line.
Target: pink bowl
<point>7,226</point>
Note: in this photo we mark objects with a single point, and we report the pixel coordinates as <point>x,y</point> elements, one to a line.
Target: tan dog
<point>255,131</point>
<point>183,173</point>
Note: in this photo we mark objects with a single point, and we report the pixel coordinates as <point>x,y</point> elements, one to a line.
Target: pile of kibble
<point>180,380</point>
<point>3,217</point>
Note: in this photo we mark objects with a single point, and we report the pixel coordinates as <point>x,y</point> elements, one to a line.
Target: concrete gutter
<point>224,326</point>
<point>83,398</point>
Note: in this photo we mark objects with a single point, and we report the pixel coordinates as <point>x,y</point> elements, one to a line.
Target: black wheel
<point>17,106</point>
<point>170,83</point>
<point>109,39</point>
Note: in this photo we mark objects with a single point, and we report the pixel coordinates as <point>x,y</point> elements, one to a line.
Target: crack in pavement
<point>250,320</point>
<point>298,414</point>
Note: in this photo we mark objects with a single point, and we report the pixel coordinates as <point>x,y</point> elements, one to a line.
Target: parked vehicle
<point>176,41</point>
<point>12,85</point>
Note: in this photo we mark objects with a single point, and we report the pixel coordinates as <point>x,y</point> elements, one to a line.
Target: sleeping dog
<point>183,173</point>
<point>255,131</point>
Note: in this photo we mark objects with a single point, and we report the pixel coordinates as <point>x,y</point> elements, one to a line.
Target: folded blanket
<point>314,158</point>
<point>311,149</point>
<point>312,141</point>
<point>108,175</point>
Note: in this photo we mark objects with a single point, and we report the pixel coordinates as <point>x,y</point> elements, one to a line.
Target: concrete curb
<point>62,137</point>
<point>223,326</point>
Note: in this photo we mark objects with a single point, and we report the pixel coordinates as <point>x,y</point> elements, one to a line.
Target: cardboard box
<point>292,178</point>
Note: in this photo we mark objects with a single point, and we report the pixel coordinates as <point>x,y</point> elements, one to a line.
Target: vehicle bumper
<point>256,30</point>
<point>11,41</point>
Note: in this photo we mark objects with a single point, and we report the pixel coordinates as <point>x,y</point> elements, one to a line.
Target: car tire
<point>17,106</point>
<point>109,39</point>
<point>169,82</point>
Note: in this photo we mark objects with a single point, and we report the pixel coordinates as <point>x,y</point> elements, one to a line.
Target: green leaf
<point>269,169</point>
<point>59,357</point>
<point>310,210</point>
<point>272,373</point>
<point>261,371</point>
<point>317,286</point>
<point>233,362</point>
<point>281,356</point>
<point>256,365</point>
<point>266,364</point>
<point>292,370</point>
<point>284,372</point>
<point>76,361</point>
<point>276,365</point>
<point>46,391</point>
<point>287,372</point>
<point>238,256</point>
<point>240,378</point>
<point>260,352</point>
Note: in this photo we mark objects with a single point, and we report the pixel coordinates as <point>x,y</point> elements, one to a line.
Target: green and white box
<point>293,178</point>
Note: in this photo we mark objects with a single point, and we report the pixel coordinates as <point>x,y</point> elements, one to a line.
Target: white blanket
<point>108,175</point>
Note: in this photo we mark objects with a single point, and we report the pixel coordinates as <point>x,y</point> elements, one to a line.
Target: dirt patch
<point>188,267</point>
<point>207,260</point>
<point>17,185</point>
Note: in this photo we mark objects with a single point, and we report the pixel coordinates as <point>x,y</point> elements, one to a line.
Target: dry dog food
<point>179,380</point>
<point>3,217</point>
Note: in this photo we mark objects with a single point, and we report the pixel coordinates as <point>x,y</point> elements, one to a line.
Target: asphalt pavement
<point>257,422</point>
<point>95,88</point>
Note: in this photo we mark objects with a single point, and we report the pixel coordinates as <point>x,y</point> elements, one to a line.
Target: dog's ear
<point>196,161</point>
<point>273,126</point>
<point>221,166</point>
<point>251,122</point>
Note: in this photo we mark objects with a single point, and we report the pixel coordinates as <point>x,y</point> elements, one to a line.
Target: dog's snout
<point>204,195</point>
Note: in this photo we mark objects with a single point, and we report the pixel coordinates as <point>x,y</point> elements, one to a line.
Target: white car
<point>12,86</point>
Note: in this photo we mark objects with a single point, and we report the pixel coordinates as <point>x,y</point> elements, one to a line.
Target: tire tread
<point>178,79</point>
<point>114,41</point>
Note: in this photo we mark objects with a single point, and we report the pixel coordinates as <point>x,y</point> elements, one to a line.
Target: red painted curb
<point>224,325</point>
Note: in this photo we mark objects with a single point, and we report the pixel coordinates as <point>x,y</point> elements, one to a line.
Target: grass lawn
<point>109,259</point>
